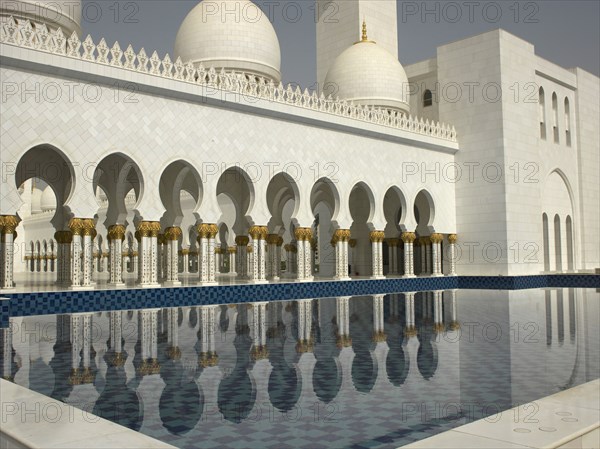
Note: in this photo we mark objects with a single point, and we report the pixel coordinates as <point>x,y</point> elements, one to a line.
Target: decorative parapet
<point>23,34</point>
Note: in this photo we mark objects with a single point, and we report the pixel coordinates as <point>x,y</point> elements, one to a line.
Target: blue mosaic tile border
<point>50,303</point>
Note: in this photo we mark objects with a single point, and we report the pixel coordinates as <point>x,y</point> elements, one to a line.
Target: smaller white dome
<point>48,200</point>
<point>65,14</point>
<point>369,75</point>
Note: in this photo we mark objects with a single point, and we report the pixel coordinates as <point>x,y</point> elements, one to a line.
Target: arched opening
<point>324,203</point>
<point>555,117</point>
<point>427,99</point>
<point>45,180</point>
<point>424,210</point>
<point>570,255</point>
<point>546,242</point>
<point>118,184</point>
<point>394,209</point>
<point>283,200</point>
<point>180,189</point>
<point>557,243</point>
<point>542,113</point>
<point>362,207</point>
<point>235,195</point>
<point>567,122</point>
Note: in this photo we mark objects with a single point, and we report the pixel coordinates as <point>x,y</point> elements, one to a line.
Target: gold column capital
<point>207,230</point>
<point>116,231</point>
<point>173,233</point>
<point>452,238</point>
<point>377,236</point>
<point>148,229</point>
<point>408,237</point>
<point>303,234</point>
<point>63,236</point>
<point>352,243</point>
<point>436,238</point>
<point>242,240</point>
<point>232,250</point>
<point>8,224</point>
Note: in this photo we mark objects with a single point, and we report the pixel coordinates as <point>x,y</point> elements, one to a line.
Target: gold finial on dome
<point>364,31</point>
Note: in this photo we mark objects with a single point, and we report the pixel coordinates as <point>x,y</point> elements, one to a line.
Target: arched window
<point>427,98</point>
<point>567,122</point>
<point>546,242</point>
<point>557,243</point>
<point>542,103</point>
<point>570,255</point>
<point>555,116</point>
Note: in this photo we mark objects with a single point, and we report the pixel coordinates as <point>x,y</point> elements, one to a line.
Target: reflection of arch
<point>364,365</point>
<point>555,117</point>
<point>281,189</point>
<point>181,401</point>
<point>327,378</point>
<point>567,122</point>
<point>285,383</point>
<point>427,358</point>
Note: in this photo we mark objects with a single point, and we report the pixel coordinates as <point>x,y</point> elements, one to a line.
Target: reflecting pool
<point>368,371</point>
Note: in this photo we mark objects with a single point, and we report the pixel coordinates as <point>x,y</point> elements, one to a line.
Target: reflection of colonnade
<point>286,354</point>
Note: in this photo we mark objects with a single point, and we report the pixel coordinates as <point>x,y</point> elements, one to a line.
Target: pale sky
<point>564,32</point>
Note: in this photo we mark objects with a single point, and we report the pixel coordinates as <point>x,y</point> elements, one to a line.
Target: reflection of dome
<point>54,13</point>
<point>237,36</point>
<point>367,74</point>
<point>48,200</point>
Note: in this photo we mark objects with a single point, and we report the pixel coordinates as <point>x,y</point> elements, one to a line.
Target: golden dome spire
<point>364,31</point>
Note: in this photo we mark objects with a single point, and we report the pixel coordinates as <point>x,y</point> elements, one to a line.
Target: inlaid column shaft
<point>8,226</point>
<point>452,239</point>
<point>116,235</point>
<point>258,255</point>
<point>172,236</point>
<point>148,253</point>
<point>408,238</point>
<point>436,254</point>
<point>232,251</point>
<point>304,254</point>
<point>242,256</point>
<point>206,240</point>
<point>82,229</point>
<point>377,238</point>
<point>340,243</point>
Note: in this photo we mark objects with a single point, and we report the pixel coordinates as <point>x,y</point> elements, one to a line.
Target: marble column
<point>342,314</point>
<point>304,254</point>
<point>452,239</point>
<point>64,239</point>
<point>185,257</point>
<point>408,238</point>
<point>376,238</point>
<point>272,260</point>
<point>148,252</point>
<point>8,225</point>
<point>232,251</point>
<point>340,243</point>
<point>82,229</point>
<point>305,335</point>
<point>172,236</point>
<point>436,254</point>
<point>242,256</point>
<point>116,235</point>
<point>259,257</point>
<point>160,258</point>
<point>206,249</point>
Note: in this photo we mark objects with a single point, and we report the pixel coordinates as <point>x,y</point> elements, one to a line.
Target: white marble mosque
<point>124,167</point>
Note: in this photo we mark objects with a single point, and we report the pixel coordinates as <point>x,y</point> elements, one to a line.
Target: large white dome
<point>65,14</point>
<point>367,74</point>
<point>230,34</point>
